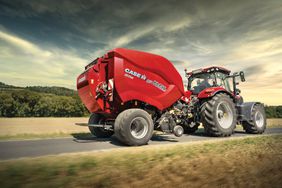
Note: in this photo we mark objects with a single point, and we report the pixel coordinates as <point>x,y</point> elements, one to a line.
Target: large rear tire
<point>98,131</point>
<point>218,115</point>
<point>134,127</point>
<point>257,125</point>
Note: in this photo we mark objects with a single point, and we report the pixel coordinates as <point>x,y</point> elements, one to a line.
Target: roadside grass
<point>243,162</point>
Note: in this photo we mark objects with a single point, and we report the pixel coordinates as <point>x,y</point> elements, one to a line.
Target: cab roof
<point>208,70</point>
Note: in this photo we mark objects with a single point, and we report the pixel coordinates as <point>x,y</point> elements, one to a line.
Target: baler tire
<point>123,127</point>
<point>255,127</point>
<point>210,115</point>
<point>99,132</point>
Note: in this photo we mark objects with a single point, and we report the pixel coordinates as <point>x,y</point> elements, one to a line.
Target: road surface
<point>82,143</point>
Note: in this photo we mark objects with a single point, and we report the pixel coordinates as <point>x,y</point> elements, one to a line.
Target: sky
<point>48,42</point>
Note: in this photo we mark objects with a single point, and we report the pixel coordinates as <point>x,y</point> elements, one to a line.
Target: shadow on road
<point>165,137</point>
<point>88,138</point>
<point>157,137</point>
<point>201,132</point>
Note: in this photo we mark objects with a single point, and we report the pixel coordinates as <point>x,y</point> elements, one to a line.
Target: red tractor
<point>131,93</point>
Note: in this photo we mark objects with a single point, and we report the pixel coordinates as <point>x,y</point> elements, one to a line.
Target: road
<point>82,143</point>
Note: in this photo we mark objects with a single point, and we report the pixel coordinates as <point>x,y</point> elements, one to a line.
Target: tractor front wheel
<point>257,124</point>
<point>134,127</point>
<point>218,115</point>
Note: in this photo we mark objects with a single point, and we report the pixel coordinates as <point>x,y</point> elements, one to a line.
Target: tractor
<point>132,93</point>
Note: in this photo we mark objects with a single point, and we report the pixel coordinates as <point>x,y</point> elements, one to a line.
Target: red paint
<point>187,96</point>
<point>209,92</point>
<point>167,88</point>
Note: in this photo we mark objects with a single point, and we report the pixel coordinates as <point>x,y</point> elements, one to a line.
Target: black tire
<point>190,130</point>
<point>130,120</point>
<point>98,131</point>
<point>214,119</point>
<point>259,126</point>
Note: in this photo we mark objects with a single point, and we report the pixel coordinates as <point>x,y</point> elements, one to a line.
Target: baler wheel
<point>98,131</point>
<point>134,127</point>
<point>218,115</point>
<point>258,122</point>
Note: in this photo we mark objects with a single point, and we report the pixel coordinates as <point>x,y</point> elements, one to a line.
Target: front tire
<point>218,115</point>
<point>98,131</point>
<point>134,127</point>
<point>257,125</point>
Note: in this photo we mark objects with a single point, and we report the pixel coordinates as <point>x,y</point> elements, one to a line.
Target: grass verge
<point>244,162</point>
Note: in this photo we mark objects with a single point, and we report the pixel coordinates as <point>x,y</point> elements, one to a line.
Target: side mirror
<point>242,76</point>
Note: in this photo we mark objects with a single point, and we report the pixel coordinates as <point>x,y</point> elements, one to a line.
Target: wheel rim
<point>259,119</point>
<point>102,121</point>
<point>224,115</point>
<point>139,127</point>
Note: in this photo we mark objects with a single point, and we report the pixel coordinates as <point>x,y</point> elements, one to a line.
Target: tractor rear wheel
<point>218,115</point>
<point>257,124</point>
<point>98,131</point>
<point>134,127</point>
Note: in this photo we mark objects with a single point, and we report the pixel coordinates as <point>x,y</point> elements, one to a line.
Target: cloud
<point>28,64</point>
<point>23,45</point>
<point>254,70</point>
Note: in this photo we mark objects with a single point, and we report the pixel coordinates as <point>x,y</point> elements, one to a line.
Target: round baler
<point>131,93</point>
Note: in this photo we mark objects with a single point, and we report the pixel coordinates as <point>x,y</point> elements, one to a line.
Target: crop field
<point>21,128</point>
<point>32,128</point>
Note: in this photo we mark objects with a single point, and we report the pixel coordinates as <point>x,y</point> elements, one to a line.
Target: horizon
<point>48,43</point>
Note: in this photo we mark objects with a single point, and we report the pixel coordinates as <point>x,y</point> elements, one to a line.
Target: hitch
<point>108,127</point>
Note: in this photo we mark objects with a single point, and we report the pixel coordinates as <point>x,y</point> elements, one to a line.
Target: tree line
<point>38,101</point>
<point>273,111</point>
<point>26,103</point>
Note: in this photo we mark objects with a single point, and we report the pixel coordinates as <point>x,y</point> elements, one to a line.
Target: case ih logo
<point>136,74</point>
<point>130,73</point>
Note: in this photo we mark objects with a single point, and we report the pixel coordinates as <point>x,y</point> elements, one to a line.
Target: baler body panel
<point>136,75</point>
<point>152,63</point>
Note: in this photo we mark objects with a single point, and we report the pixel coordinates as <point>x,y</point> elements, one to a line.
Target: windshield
<point>199,82</point>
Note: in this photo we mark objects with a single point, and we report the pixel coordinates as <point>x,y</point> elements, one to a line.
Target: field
<point>32,128</point>
<point>29,128</point>
<point>206,164</point>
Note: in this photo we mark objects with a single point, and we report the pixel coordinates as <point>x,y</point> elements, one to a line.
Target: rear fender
<point>212,91</point>
<point>245,110</point>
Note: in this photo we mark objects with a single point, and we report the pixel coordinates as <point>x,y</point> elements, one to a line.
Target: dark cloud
<point>254,71</point>
<point>91,25</point>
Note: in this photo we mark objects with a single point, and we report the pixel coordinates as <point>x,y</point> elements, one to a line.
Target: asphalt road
<point>80,143</point>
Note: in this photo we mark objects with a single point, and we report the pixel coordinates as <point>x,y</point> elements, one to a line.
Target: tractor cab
<point>211,79</point>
